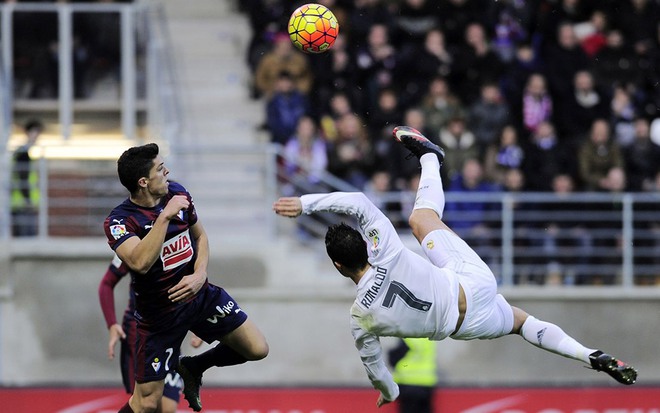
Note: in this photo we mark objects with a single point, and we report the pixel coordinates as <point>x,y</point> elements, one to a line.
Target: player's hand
<point>187,287</point>
<point>174,205</point>
<point>116,333</point>
<point>382,400</point>
<point>288,207</point>
<point>196,341</point>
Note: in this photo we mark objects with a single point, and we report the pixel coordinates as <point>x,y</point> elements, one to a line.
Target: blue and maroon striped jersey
<point>177,256</point>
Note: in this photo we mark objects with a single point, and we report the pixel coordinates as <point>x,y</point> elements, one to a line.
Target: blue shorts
<point>173,382</point>
<point>211,315</point>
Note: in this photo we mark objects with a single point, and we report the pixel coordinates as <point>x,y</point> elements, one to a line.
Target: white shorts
<point>488,313</point>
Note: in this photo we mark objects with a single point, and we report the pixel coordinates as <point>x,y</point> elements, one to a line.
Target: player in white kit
<point>401,294</point>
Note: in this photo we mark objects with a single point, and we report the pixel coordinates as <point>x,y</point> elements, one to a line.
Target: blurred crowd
<point>563,89</point>
<point>524,95</point>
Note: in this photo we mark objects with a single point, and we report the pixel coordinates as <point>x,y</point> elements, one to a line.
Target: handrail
<point>65,12</point>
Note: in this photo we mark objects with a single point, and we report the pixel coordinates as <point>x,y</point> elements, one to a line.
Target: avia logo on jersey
<point>177,251</point>
<point>223,311</point>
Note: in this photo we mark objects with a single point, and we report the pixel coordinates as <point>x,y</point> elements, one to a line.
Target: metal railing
<point>527,238</point>
<point>143,44</point>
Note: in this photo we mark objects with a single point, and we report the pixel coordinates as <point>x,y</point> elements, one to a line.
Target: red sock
<point>126,409</point>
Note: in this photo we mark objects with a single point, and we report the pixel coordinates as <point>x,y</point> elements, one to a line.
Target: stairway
<point>216,160</point>
<point>221,159</point>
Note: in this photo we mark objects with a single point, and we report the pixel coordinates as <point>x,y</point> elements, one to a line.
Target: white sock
<point>430,194</point>
<point>550,337</point>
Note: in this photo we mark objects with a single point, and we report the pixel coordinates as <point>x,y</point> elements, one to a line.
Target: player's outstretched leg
<point>430,198</point>
<point>417,143</point>
<point>552,338</point>
<point>617,369</point>
<point>191,383</point>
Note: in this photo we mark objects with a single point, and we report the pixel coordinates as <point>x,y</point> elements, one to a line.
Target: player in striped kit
<point>125,333</point>
<point>401,294</point>
<point>157,234</point>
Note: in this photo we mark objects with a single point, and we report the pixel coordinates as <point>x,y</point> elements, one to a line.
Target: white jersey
<point>401,295</point>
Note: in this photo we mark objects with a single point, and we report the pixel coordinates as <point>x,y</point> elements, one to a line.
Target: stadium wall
<point>52,330</point>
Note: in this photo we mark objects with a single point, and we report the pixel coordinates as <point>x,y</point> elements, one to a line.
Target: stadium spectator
<point>639,20</point>
<point>338,106</point>
<point>546,157</point>
<point>616,62</point>
<point>416,373</point>
<point>647,238</point>
<point>286,105</point>
<point>363,15</point>
<point>157,234</point>
<point>588,102</point>
<point>561,62</point>
<point>649,54</point>
<point>597,157</point>
<point>376,63</point>
<point>513,81</point>
<point>334,72</point>
<point>623,116</point>
<point>606,229</point>
<point>504,154</point>
<point>513,182</point>
<point>412,21</point>
<point>536,103</point>
<point>421,63</point>
<point>305,158</point>
<point>379,189</point>
<point>440,105</point>
<point>410,283</point>
<point>25,193</point>
<point>470,219</point>
<point>487,116</point>
<point>592,34</point>
<point>282,58</point>
<point>266,18</point>
<point>475,64</point>
<point>350,154</point>
<point>510,30</point>
<point>460,144</point>
<point>555,14</point>
<point>456,15</point>
<point>400,169</point>
<point>386,113</point>
<point>566,243</point>
<point>641,158</point>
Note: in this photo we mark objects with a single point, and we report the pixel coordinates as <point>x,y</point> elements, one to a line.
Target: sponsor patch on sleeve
<point>118,231</point>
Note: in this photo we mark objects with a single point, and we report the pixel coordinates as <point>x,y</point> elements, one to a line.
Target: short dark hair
<point>346,246</point>
<point>135,163</point>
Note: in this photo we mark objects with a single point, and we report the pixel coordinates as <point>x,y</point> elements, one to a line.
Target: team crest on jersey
<point>156,364</point>
<point>118,231</point>
<point>177,251</point>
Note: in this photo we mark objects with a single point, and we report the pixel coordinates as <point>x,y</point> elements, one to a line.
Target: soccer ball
<point>313,28</point>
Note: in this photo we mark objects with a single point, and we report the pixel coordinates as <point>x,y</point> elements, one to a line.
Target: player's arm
<point>371,354</point>
<point>191,284</point>
<point>112,276</point>
<point>356,204</point>
<point>141,254</point>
